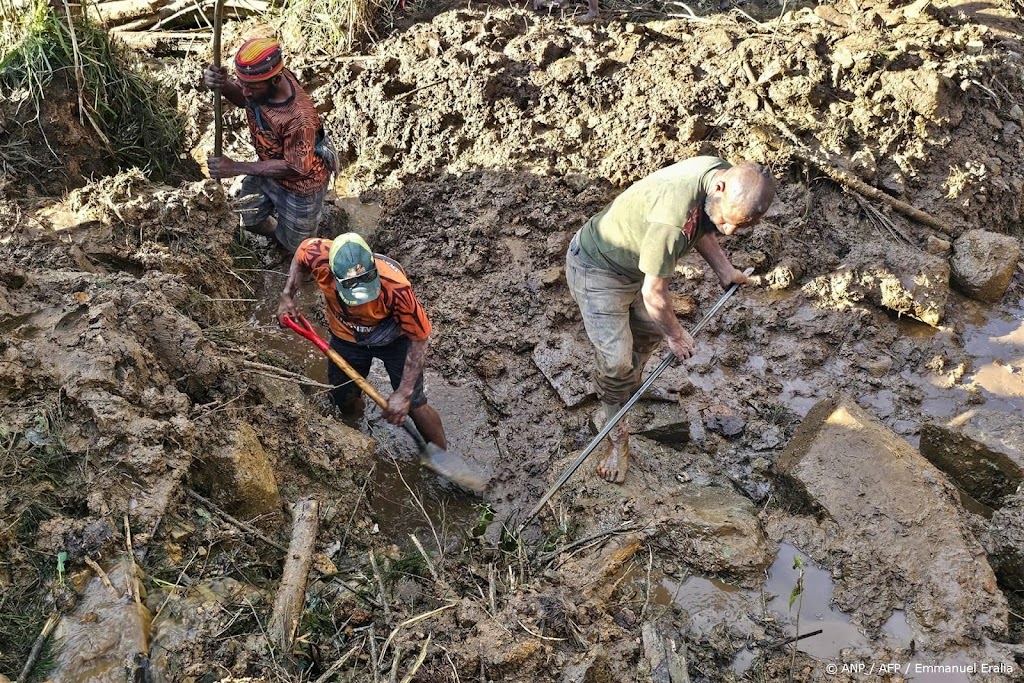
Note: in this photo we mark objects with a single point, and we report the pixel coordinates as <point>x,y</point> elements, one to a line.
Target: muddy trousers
<point>623,334</point>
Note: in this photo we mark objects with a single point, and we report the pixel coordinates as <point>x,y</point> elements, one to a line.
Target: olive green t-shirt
<point>647,228</point>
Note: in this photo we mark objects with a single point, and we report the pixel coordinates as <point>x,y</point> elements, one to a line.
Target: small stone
<point>937,246</point>
<point>894,183</point>
<point>324,565</point>
<point>974,47</point>
<point>1017,113</point>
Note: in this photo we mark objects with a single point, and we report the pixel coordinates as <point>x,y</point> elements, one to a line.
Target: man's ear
<point>719,186</point>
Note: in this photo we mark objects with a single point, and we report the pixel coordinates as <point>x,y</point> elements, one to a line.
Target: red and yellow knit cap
<point>258,59</point>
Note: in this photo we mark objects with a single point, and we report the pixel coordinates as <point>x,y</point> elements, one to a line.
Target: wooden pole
<point>291,595</point>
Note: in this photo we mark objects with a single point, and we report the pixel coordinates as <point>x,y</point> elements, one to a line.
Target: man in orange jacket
<point>372,313</point>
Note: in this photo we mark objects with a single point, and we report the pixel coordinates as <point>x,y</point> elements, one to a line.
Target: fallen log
<point>291,595</point>
<point>116,12</point>
<point>140,24</point>
<point>165,42</point>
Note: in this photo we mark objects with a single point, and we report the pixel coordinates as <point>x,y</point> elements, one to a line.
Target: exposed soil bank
<point>135,366</point>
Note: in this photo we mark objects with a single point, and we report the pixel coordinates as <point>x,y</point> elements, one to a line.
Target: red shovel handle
<point>304,328</point>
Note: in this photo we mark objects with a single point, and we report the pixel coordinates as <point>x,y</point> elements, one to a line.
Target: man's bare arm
<point>658,302</point>
<point>296,273</point>
<point>712,252</point>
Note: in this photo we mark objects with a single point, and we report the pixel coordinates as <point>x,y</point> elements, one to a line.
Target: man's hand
<point>737,277</point>
<point>683,346</point>
<point>398,407</point>
<point>215,76</point>
<point>222,167</point>
<point>287,307</point>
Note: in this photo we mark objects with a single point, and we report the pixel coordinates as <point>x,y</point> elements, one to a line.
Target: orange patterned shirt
<point>396,298</point>
<point>289,132</point>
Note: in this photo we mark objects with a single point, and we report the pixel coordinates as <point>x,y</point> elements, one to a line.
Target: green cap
<point>350,257</point>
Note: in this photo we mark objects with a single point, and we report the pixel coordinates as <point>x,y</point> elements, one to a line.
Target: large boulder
<point>712,529</point>
<point>983,263</point>
<point>981,450</point>
<point>239,476</point>
<point>904,540</point>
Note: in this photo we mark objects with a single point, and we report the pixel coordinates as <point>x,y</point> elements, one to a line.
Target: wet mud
<point>140,359</point>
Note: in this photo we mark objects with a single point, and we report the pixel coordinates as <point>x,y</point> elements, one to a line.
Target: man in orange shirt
<point>296,157</point>
<point>372,313</point>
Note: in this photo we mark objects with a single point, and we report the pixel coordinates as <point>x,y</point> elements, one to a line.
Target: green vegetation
<point>324,28</point>
<point>132,118</point>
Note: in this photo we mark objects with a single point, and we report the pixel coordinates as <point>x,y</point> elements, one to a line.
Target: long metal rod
<point>622,411</point>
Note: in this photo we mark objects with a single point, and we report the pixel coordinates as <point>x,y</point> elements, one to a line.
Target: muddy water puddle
<point>709,602</point>
<point>993,339</point>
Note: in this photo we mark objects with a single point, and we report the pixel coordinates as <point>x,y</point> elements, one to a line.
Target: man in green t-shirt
<point>620,262</point>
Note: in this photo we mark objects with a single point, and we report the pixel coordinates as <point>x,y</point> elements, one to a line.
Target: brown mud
<point>139,358</point>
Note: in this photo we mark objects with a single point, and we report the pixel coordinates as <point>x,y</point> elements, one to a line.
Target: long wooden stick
<point>37,647</point>
<point>291,595</point>
<point>218,105</point>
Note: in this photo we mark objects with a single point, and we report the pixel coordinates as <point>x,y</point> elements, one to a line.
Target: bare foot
<point>614,466</point>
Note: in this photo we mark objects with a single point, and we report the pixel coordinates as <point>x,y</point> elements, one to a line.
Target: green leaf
<point>798,589</point>
<point>62,557</point>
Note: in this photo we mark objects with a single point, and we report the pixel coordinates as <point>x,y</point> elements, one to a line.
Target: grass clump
<point>133,119</point>
<point>327,28</point>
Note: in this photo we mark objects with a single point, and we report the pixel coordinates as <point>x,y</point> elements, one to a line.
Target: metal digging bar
<point>622,411</point>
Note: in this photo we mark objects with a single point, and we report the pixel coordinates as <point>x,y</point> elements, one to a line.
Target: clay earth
<point>845,453</point>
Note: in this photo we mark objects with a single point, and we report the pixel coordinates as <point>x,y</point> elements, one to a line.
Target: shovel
<point>433,457</point>
<point>622,411</point>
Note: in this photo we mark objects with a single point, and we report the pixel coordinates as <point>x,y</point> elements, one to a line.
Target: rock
<point>558,243</point>
<point>890,275</point>
<point>560,358</point>
<point>1006,539</point>
<point>1016,113</point>
<point>974,47</point>
<point>663,422</point>
<point>240,477</point>
<point>830,15</point>
<point>937,246</point>
<point>893,183</point>
<point>593,668</point>
<point>546,277</point>
<point>724,420</point>
<point>683,304</point>
<point>719,529</point>
<point>863,164</point>
<point>566,70</point>
<point>876,367</point>
<point>981,450</point>
<point>983,263</point>
<point>880,492</point>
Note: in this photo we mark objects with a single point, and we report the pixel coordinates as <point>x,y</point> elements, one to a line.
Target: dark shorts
<point>297,216</point>
<point>360,357</point>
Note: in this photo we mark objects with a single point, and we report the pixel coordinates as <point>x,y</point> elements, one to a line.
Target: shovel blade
<point>454,468</point>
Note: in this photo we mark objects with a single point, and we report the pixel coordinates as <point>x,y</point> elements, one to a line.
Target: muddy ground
<point>140,362</point>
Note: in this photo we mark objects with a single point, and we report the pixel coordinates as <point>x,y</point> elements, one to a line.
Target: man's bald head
<point>740,196</point>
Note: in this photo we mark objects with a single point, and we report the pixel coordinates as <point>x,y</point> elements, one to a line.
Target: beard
<point>712,205</point>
